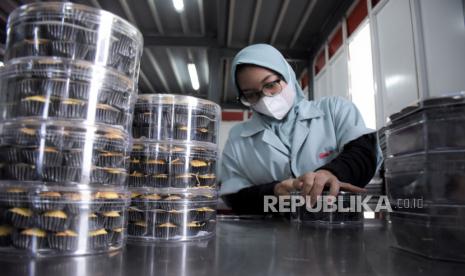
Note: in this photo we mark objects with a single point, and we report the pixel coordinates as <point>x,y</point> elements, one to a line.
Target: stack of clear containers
<point>173,168</point>
<point>67,94</point>
<point>346,214</point>
<point>425,177</point>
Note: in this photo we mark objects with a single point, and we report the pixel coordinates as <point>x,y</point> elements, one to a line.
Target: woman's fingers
<point>351,188</point>
<point>318,186</point>
<point>307,183</point>
<point>334,186</point>
<point>297,184</point>
<point>281,189</point>
<point>313,183</point>
<point>286,187</point>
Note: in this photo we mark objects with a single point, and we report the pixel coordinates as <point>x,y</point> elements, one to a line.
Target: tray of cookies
<point>163,164</point>
<point>176,117</point>
<point>52,88</point>
<point>42,220</point>
<point>74,31</point>
<point>56,151</point>
<point>171,215</point>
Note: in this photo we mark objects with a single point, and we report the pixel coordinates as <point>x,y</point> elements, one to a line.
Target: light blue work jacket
<point>254,155</point>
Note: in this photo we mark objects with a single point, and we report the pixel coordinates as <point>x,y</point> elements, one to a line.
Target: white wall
<point>333,80</point>
<point>443,30</point>
<point>225,127</point>
<point>419,52</point>
<point>398,78</point>
<point>339,74</point>
<point>321,87</point>
<point>361,79</point>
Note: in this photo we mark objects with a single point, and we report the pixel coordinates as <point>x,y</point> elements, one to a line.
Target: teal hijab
<point>267,56</point>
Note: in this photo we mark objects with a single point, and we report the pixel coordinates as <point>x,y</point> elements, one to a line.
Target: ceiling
<point>210,32</point>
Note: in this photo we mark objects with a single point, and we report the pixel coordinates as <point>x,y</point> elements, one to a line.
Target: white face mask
<point>277,106</point>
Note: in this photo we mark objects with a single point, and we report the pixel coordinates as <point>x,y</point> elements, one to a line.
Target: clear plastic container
<point>59,151</point>
<point>433,124</point>
<point>168,117</point>
<point>57,221</point>
<point>166,164</point>
<point>434,236</point>
<point>111,263</point>
<point>169,215</point>
<point>437,177</point>
<point>349,216</point>
<point>74,31</point>
<point>51,88</point>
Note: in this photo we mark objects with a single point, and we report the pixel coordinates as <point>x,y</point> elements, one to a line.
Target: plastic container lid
<point>173,164</point>
<point>179,100</point>
<point>73,31</point>
<point>59,151</point>
<point>175,147</point>
<point>66,89</point>
<point>440,161</point>
<point>30,192</point>
<point>435,102</point>
<point>41,221</point>
<point>73,13</point>
<point>166,215</point>
<point>77,70</point>
<point>50,129</point>
<point>176,117</point>
<point>176,195</point>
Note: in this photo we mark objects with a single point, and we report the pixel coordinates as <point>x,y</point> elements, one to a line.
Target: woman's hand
<point>287,186</point>
<point>313,183</point>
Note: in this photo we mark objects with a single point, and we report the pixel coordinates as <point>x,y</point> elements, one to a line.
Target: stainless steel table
<point>252,247</point>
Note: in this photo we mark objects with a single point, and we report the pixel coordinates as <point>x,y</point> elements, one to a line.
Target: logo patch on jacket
<point>326,154</point>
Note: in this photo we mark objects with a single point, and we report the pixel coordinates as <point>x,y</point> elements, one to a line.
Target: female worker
<point>290,143</point>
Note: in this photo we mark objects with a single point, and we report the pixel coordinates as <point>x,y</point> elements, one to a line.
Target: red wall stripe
<point>304,81</point>
<point>335,42</point>
<point>356,16</point>
<point>232,116</point>
<point>320,62</point>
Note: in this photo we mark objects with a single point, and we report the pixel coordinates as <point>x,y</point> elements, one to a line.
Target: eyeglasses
<point>270,89</point>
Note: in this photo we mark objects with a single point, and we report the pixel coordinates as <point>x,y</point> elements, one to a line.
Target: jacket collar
<point>307,110</point>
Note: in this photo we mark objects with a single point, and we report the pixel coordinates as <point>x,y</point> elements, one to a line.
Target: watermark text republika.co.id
<point>328,203</point>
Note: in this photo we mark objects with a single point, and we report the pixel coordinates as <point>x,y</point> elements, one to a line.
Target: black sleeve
<point>250,200</point>
<point>356,164</point>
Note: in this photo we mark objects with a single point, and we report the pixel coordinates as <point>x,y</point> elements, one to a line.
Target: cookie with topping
<point>30,238</point>
<point>56,220</point>
<point>67,240</point>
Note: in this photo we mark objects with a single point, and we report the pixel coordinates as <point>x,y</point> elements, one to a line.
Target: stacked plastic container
<point>67,94</point>
<point>349,216</point>
<point>425,177</point>
<point>173,168</point>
